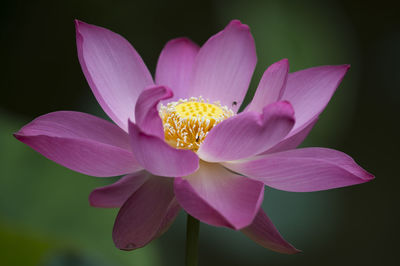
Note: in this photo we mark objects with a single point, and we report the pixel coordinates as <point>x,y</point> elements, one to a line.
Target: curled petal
<point>247,134</point>
<point>147,214</point>
<point>81,142</point>
<point>219,197</point>
<point>271,86</point>
<point>175,66</point>
<point>224,66</point>
<point>310,90</point>
<point>114,195</point>
<point>146,113</point>
<point>263,232</point>
<point>303,170</point>
<point>157,157</point>
<point>114,70</point>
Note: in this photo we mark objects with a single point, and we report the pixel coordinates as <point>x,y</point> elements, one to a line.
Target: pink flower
<point>180,142</point>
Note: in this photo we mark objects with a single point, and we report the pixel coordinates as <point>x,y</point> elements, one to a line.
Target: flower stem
<point>192,237</point>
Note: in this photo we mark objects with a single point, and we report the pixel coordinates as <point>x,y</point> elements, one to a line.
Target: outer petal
<point>146,113</point>
<point>271,86</point>
<point>157,157</point>
<point>114,195</point>
<point>310,90</point>
<point>146,214</point>
<point>175,66</point>
<point>303,170</point>
<point>81,142</point>
<point>224,66</point>
<point>263,232</point>
<point>219,197</point>
<point>247,134</point>
<point>293,139</point>
<point>113,69</point>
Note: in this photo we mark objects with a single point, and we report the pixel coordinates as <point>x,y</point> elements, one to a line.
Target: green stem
<point>192,237</point>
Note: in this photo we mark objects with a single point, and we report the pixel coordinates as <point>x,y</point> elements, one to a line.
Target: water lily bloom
<point>180,142</point>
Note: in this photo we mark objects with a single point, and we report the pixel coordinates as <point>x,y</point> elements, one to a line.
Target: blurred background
<point>45,218</point>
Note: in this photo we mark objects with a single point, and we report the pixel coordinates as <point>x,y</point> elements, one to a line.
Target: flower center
<point>187,122</point>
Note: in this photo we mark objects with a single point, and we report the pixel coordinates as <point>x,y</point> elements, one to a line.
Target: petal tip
<point>238,24</point>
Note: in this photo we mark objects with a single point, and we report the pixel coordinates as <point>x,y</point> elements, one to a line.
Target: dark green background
<point>45,218</point>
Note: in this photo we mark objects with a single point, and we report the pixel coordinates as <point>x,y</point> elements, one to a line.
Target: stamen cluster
<point>187,121</point>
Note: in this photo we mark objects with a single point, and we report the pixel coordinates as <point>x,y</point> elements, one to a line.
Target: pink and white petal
<point>146,214</point>
<point>114,195</point>
<point>219,197</point>
<point>263,232</point>
<point>310,90</point>
<point>157,157</point>
<point>81,142</point>
<point>114,70</point>
<point>247,134</point>
<point>224,66</point>
<point>303,170</point>
<point>293,139</point>
<point>271,86</point>
<point>146,112</point>
<point>175,66</point>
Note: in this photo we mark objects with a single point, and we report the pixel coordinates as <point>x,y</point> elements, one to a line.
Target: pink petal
<point>303,170</point>
<point>310,90</point>
<point>114,70</point>
<point>263,232</point>
<point>247,134</point>
<point>81,142</point>
<point>224,66</point>
<point>219,197</point>
<point>293,139</point>
<point>114,195</point>
<point>175,66</point>
<point>146,113</point>
<point>271,86</point>
<point>146,214</point>
<point>157,157</point>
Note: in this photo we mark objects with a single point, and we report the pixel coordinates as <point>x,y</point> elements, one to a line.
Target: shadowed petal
<point>310,90</point>
<point>271,86</point>
<point>247,134</point>
<point>263,232</point>
<point>175,66</point>
<point>219,197</point>
<point>146,214</point>
<point>224,66</point>
<point>81,142</point>
<point>157,157</point>
<point>114,70</point>
<point>303,170</point>
<point>146,113</point>
<point>114,195</point>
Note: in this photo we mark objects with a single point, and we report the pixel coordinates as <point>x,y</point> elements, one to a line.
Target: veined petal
<point>146,113</point>
<point>271,86</point>
<point>303,170</point>
<point>175,66</point>
<point>219,197</point>
<point>81,142</point>
<point>114,70</point>
<point>146,214</point>
<point>157,157</point>
<point>114,195</point>
<point>224,66</point>
<point>310,90</point>
<point>263,232</point>
<point>247,134</point>
<point>293,139</point>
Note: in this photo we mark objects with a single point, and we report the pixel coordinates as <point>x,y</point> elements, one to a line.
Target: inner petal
<point>188,121</point>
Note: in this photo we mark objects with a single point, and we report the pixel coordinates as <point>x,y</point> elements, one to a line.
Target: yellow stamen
<point>187,122</point>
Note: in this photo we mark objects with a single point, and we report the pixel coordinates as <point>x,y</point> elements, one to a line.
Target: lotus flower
<point>180,142</point>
